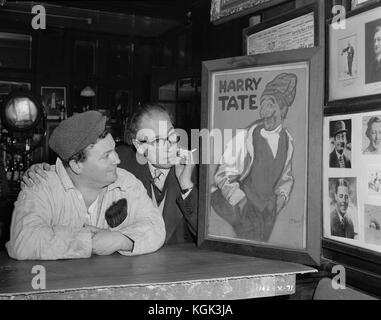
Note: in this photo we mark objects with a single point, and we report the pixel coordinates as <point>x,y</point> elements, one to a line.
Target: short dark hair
<point>341,183</point>
<point>81,156</point>
<point>132,125</point>
<point>370,122</point>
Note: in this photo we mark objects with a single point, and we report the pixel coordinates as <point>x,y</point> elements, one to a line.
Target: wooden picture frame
<point>351,76</point>
<point>296,30</point>
<point>53,98</point>
<point>225,10</point>
<point>231,100</point>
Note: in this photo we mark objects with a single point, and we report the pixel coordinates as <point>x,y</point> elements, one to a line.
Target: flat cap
<point>283,88</point>
<point>76,133</point>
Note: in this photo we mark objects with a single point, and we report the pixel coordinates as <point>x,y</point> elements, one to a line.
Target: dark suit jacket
<point>334,161</point>
<point>339,229</point>
<point>180,215</point>
<point>373,73</point>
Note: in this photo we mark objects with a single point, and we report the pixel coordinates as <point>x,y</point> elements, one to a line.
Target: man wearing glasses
<point>164,169</point>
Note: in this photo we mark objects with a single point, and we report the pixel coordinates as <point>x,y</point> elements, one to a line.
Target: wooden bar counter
<point>177,272</point>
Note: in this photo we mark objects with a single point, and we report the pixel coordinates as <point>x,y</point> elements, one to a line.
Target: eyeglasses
<point>159,142</point>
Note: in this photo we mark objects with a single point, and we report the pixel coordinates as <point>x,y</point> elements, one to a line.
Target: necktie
<point>341,162</point>
<point>158,184</point>
<point>158,179</point>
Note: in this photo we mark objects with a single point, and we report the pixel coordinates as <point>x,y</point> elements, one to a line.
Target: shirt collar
<point>119,183</point>
<point>276,130</point>
<point>63,176</point>
<point>152,170</point>
<point>339,155</point>
<point>68,183</point>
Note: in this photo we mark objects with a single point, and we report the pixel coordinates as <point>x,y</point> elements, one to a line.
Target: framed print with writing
<point>352,180</point>
<point>291,31</point>
<point>257,187</point>
<point>53,98</point>
<point>354,58</point>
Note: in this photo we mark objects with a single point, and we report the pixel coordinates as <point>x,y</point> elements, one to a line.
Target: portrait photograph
<point>374,180</point>
<point>53,98</point>
<point>373,51</point>
<point>340,135</point>
<point>343,216</point>
<point>371,135</point>
<point>372,224</point>
<point>347,58</point>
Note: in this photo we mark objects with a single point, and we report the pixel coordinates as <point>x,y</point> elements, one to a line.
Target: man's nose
<point>115,158</point>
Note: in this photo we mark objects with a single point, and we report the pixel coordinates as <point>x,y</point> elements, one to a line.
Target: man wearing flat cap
<point>337,158</point>
<point>63,217</point>
<point>254,187</point>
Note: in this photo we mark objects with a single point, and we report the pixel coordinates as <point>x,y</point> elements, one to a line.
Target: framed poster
<point>354,58</point>
<point>224,10</point>
<point>291,31</point>
<point>53,98</point>
<point>256,191</point>
<point>352,185</point>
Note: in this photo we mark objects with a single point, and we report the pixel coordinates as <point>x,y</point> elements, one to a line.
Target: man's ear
<point>75,166</point>
<point>140,148</point>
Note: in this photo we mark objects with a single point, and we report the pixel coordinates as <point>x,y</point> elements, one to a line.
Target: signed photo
<point>340,154</point>
<point>344,214</point>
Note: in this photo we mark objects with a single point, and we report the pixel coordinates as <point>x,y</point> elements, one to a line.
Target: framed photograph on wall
<point>354,59</point>
<point>356,4</point>
<point>291,31</point>
<point>256,193</point>
<point>6,87</point>
<point>224,10</point>
<point>53,98</point>
<point>352,186</point>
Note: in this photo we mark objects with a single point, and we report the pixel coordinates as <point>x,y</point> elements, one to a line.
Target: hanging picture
<point>53,99</point>
<point>354,58</point>
<point>297,30</point>
<point>224,10</point>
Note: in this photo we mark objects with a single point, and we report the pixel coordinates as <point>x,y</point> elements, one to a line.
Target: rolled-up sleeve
<point>34,236</point>
<point>146,225</point>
